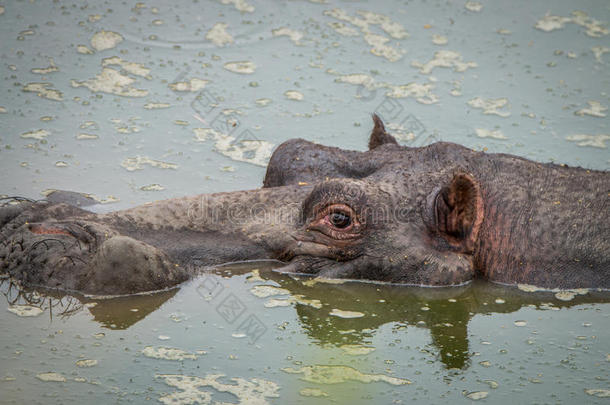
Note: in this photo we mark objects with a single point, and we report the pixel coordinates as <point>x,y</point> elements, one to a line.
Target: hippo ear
<point>458,211</point>
<point>378,135</point>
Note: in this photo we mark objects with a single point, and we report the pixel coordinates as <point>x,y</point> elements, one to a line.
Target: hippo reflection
<point>438,215</point>
<point>448,317</point>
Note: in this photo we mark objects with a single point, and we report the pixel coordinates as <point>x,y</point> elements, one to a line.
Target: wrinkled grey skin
<point>437,215</point>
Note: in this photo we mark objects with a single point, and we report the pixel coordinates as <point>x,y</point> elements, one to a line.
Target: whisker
<point>35,244</point>
<point>77,258</point>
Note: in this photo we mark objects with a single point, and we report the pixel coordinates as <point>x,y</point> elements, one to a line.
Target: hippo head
<point>436,215</point>
<point>390,213</point>
<point>383,215</point>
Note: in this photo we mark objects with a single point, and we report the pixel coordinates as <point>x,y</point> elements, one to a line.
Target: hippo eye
<point>340,220</point>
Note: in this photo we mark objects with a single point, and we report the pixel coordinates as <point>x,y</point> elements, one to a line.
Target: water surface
<point>289,338</point>
<point>138,101</point>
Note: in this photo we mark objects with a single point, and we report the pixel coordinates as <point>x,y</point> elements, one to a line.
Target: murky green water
<point>136,101</point>
<point>349,343</point>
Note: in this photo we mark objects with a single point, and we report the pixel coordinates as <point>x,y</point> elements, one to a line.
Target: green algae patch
<point>363,21</point>
<point>294,95</point>
<point>295,36</point>
<point>264,291</point>
<point>313,281</point>
<point>562,295</point>
<point>240,5</point>
<point>156,106</point>
<point>25,310</point>
<point>86,363</point>
<point>487,133</point>
<point>477,395</point>
<point>253,151</point>
<point>255,277</point>
<point>152,187</point>
<point>313,392</point>
<point>345,314</point>
<point>444,59</point>
<point>168,353</point>
<point>254,391</point>
<point>130,67</point>
<point>241,67</point>
<point>295,299</point>
<point>473,6</point>
<point>356,350</point>
<point>595,141</point>
<point>340,374</point>
<point>600,393</point>
<point>111,81</point>
<point>191,85</point>
<point>137,163</point>
<point>44,90</point>
<point>218,35</point>
<point>51,377</point>
<point>491,106</point>
<point>595,109</point>
<point>594,28</point>
<point>103,40</point>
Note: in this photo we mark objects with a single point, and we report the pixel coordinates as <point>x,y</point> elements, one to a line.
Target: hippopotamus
<point>437,215</point>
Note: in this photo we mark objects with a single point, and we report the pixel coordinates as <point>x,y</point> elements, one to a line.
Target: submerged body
<point>437,215</point>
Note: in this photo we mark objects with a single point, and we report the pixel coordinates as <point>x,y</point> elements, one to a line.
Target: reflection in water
<point>57,303</point>
<point>122,312</point>
<point>445,312</point>
<point>112,313</point>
